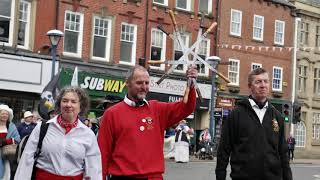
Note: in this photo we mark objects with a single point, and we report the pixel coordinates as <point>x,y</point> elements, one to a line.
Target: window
<point>128,43</point>
<point>73,29</point>
<point>304,33</point>
<point>24,24</point>
<point>178,51</point>
<point>204,52</point>
<point>318,36</point>
<point>258,24</point>
<point>302,70</point>
<point>11,22</point>
<point>235,22</point>
<point>205,6</point>
<point>255,66</point>
<point>6,21</point>
<point>316,126</point>
<point>233,71</point>
<point>158,46</point>
<point>101,39</point>
<point>277,79</point>
<point>183,4</point>
<point>316,81</point>
<point>300,134</point>
<point>279,32</point>
<point>162,2</point>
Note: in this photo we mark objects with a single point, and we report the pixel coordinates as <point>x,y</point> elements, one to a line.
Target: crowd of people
<point>127,142</point>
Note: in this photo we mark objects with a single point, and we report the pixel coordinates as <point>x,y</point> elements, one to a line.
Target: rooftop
<point>284,2</point>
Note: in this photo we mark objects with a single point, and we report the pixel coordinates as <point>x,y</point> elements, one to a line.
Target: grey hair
<point>83,98</point>
<point>133,70</point>
<point>255,72</point>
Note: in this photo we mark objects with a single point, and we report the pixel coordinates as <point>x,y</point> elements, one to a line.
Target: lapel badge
<point>149,126</point>
<point>142,128</point>
<point>149,123</point>
<point>275,125</point>
<point>149,120</point>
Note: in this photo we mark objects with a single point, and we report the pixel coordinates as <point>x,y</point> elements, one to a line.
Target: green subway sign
<point>96,84</point>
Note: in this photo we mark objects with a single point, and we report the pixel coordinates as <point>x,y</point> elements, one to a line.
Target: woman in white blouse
<point>69,149</point>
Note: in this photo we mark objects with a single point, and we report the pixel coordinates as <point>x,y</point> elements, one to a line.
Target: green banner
<point>96,84</point>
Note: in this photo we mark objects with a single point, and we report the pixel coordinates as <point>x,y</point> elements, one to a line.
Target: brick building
<point>103,38</point>
<point>251,36</point>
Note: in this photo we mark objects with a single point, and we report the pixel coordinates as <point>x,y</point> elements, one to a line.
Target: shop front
<point>98,85</point>
<point>171,90</point>
<point>22,79</point>
<point>224,106</point>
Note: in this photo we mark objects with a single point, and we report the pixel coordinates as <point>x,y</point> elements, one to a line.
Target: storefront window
<point>19,102</point>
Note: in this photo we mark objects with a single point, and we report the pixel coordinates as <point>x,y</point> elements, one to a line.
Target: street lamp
<point>54,37</point>
<point>213,61</point>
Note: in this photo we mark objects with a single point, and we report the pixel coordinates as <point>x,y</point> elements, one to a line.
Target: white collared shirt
<point>62,154</point>
<point>132,103</point>
<point>260,112</point>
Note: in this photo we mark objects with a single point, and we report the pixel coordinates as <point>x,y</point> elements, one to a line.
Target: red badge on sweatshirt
<point>148,123</point>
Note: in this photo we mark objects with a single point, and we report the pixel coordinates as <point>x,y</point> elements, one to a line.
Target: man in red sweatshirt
<point>132,132</point>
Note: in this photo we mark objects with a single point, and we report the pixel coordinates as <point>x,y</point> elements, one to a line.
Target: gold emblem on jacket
<point>275,125</point>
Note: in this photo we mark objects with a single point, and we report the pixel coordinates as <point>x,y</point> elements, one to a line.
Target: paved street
<point>204,170</point>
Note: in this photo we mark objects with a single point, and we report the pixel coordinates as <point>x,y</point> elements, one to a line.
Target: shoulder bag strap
<point>43,131</point>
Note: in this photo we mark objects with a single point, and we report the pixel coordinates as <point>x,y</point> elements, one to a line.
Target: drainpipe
<point>294,67</point>
<point>217,34</point>
<point>57,13</point>
<point>146,30</point>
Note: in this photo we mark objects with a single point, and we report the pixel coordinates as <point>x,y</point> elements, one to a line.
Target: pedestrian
<point>8,135</point>
<point>94,125</point>
<point>204,140</point>
<point>182,141</point>
<point>36,117</point>
<point>192,142</point>
<point>26,127</point>
<point>131,135</point>
<point>170,132</point>
<point>70,149</point>
<point>291,144</point>
<point>87,122</point>
<point>205,135</point>
<point>252,138</point>
<point>169,141</point>
<point>106,103</point>
<point>110,100</point>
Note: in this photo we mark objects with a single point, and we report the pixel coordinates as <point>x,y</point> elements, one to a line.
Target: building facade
<point>250,36</point>
<point>307,132</point>
<point>104,39</point>
<point>23,70</point>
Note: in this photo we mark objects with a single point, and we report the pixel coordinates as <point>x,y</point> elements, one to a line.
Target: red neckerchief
<point>65,125</point>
